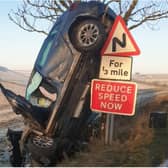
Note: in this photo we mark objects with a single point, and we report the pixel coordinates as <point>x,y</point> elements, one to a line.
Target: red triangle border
<point>137,50</point>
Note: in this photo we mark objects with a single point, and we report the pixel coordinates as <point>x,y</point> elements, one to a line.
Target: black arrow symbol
<point>116,41</point>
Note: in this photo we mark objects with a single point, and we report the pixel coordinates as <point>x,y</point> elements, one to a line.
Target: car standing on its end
<point>57,94</point>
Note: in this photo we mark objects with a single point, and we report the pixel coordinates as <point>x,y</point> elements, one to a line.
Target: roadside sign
<point>114,97</point>
<point>120,41</point>
<point>118,68</point>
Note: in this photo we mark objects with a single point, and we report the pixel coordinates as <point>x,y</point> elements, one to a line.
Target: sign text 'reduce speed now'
<point>113,97</point>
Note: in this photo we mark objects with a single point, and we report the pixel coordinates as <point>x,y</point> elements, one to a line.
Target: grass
<point>135,144</point>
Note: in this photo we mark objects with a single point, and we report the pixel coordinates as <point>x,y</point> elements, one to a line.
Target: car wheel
<point>88,35</point>
<point>42,149</point>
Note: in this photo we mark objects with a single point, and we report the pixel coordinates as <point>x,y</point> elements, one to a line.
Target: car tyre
<point>88,35</point>
<point>42,149</point>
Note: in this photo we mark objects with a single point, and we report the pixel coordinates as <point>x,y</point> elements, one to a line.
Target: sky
<point>19,49</point>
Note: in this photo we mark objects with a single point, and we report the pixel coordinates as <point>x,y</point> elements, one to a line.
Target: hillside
<point>12,76</point>
<point>16,81</point>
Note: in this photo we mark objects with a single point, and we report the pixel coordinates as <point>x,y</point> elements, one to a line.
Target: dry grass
<point>130,150</point>
<point>135,144</point>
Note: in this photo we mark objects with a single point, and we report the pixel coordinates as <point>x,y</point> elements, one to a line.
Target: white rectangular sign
<point>117,68</point>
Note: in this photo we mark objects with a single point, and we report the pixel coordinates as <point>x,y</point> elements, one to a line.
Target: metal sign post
<point>109,129</point>
<point>109,96</point>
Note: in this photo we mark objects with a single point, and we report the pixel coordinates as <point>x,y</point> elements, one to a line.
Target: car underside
<point>56,107</point>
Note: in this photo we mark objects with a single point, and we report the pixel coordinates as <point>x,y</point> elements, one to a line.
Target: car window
<point>35,82</point>
<point>45,50</point>
<point>48,43</point>
<point>47,46</point>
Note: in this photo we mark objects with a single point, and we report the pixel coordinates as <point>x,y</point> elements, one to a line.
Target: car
<point>59,86</point>
<point>68,60</point>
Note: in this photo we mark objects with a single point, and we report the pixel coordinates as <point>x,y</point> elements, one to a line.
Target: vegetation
<point>39,15</point>
<point>135,144</point>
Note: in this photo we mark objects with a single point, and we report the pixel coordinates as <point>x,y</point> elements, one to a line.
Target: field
<point>8,119</point>
<point>135,144</point>
<point>17,88</point>
<point>151,80</point>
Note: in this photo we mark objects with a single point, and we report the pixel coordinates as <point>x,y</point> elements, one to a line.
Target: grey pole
<point>107,129</point>
<point>111,129</point>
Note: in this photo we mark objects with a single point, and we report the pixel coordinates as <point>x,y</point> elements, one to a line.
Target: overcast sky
<point>19,49</point>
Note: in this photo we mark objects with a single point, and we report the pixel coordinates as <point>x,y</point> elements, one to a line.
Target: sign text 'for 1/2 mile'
<point>118,68</point>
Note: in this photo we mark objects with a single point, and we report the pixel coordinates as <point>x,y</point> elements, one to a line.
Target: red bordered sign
<point>113,97</point>
<point>120,41</point>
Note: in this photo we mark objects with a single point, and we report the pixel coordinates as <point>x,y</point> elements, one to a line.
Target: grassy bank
<point>135,144</point>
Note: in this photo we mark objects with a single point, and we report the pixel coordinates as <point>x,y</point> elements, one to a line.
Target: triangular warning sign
<point>120,41</point>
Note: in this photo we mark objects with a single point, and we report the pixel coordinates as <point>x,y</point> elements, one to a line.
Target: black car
<point>68,60</point>
<point>58,91</point>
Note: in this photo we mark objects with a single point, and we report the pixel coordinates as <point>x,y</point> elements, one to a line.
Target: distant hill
<point>3,69</point>
<point>25,72</point>
<point>12,76</point>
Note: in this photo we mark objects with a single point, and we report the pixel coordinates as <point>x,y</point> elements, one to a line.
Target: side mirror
<point>158,119</point>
